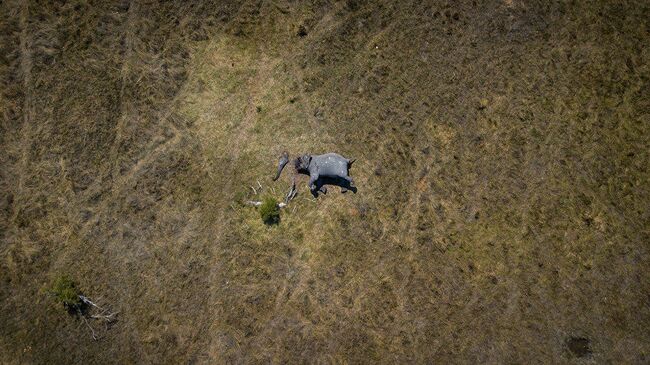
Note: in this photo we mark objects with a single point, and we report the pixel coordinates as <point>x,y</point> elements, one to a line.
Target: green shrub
<point>270,211</point>
<point>65,290</point>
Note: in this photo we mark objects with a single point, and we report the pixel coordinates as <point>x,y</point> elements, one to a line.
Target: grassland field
<point>502,170</point>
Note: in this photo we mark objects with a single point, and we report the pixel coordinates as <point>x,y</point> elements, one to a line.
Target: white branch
<point>110,317</point>
<point>92,331</point>
<point>88,301</point>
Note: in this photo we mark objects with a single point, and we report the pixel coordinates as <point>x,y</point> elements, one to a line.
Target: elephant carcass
<point>325,169</point>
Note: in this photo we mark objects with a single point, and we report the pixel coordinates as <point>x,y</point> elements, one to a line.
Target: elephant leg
<point>323,189</point>
<point>312,181</point>
<point>344,190</point>
<point>348,179</point>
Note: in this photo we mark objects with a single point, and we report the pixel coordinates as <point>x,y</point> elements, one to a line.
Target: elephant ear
<point>306,162</point>
<point>302,163</point>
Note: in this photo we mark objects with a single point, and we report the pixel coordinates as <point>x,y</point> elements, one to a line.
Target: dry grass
<point>502,164</point>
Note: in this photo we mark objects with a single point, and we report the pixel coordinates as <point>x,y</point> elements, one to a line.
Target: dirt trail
<point>26,69</point>
<point>124,117</point>
<point>236,146</point>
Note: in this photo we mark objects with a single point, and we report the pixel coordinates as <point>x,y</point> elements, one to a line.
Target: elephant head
<point>301,164</point>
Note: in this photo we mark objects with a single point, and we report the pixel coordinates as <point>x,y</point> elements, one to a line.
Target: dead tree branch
<point>104,315</point>
<point>92,331</point>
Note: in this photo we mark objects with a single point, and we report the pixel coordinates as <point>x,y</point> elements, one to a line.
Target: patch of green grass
<point>65,291</point>
<point>270,211</point>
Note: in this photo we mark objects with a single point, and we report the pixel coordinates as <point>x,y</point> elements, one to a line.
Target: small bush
<point>65,291</point>
<point>302,31</point>
<point>270,211</point>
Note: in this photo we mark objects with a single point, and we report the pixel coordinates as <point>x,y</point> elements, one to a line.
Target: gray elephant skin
<point>325,169</point>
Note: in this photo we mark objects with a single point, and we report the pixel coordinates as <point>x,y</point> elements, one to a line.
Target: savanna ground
<point>502,164</point>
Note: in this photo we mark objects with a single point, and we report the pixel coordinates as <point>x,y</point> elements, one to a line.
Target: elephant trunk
<point>284,159</point>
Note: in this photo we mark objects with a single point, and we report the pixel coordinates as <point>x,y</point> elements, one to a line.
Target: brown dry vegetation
<point>502,164</point>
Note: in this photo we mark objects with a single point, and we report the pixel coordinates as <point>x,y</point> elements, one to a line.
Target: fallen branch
<point>92,331</point>
<point>88,301</point>
<point>110,317</point>
<point>104,315</point>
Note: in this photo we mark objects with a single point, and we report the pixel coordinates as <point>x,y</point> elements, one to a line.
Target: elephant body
<point>329,166</point>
